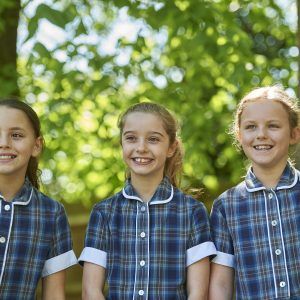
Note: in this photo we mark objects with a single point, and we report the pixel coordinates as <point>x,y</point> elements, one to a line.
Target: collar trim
<point>296,178</point>
<point>150,203</point>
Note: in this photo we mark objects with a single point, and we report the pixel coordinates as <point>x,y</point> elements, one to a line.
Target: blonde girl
<point>256,224</point>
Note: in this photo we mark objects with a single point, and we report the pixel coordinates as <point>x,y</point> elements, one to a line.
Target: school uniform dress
<point>257,232</point>
<point>35,241</point>
<point>146,247</point>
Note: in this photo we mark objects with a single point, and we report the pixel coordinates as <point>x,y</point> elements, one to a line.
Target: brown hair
<point>32,171</point>
<point>275,93</point>
<point>173,166</point>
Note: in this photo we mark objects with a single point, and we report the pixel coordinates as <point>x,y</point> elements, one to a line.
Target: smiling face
<point>17,143</point>
<point>145,145</point>
<point>265,135</point>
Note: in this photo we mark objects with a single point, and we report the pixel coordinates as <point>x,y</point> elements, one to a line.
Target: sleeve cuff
<point>94,256</point>
<point>198,252</point>
<point>224,259</point>
<point>58,263</point>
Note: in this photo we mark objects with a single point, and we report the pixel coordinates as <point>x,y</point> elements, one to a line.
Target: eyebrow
<point>151,132</point>
<point>17,128</point>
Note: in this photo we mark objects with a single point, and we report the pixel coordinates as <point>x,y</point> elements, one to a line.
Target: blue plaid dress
<point>257,232</point>
<point>146,247</point>
<point>35,241</point>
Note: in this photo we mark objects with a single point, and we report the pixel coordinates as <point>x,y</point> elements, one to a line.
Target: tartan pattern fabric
<point>147,243</point>
<point>259,229</point>
<point>33,229</point>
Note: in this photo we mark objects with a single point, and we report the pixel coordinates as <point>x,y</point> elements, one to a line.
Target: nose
<point>261,132</point>
<point>4,141</point>
<point>142,146</point>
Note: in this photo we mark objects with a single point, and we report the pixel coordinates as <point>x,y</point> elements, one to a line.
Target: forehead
<point>264,108</point>
<point>140,121</point>
<point>13,117</point>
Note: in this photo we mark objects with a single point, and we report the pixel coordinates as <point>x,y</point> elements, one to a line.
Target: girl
<point>35,236</point>
<point>149,241</point>
<point>256,225</point>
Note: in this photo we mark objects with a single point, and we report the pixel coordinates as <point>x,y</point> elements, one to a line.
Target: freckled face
<point>17,142</point>
<point>265,134</point>
<point>145,145</point>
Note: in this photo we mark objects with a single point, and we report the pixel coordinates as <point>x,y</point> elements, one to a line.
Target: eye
<point>130,138</point>
<point>274,125</point>
<point>17,135</point>
<point>153,139</point>
<point>250,126</point>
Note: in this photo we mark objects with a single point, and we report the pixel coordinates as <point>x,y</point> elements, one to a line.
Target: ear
<point>38,146</point>
<point>295,136</point>
<point>172,149</point>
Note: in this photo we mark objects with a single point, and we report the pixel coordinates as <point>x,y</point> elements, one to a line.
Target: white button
<point>277,251</point>
<point>270,196</point>
<point>7,207</point>
<point>142,263</point>
<point>274,223</point>
<point>143,234</point>
<point>2,239</point>
<point>143,208</point>
<point>282,284</point>
<point>141,292</point>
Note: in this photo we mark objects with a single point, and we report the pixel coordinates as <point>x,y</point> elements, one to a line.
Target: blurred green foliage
<point>197,57</point>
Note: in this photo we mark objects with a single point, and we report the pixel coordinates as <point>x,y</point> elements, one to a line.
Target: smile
<point>7,156</point>
<point>263,147</point>
<point>142,160</point>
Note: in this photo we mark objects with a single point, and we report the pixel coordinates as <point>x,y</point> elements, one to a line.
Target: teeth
<point>142,160</point>
<point>263,147</point>
<point>7,156</point>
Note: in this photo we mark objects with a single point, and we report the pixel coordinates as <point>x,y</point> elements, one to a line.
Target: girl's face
<point>17,142</point>
<point>265,134</point>
<point>145,145</point>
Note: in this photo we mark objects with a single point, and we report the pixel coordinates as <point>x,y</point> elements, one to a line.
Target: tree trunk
<point>9,19</point>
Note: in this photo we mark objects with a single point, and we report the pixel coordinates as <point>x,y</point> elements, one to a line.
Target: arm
<point>221,282</point>
<point>53,286</point>
<point>93,282</point>
<point>198,280</point>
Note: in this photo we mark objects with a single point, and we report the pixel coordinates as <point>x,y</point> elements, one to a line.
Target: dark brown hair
<point>32,171</point>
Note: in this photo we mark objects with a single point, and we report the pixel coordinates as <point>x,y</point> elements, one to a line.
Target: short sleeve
<point>61,254</point>
<point>200,243</point>
<point>221,235</point>
<point>96,240</point>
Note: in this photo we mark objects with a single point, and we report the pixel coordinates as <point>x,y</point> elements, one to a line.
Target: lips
<point>142,160</point>
<point>262,147</point>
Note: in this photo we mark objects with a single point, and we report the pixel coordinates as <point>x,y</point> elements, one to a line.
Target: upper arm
<point>221,282</point>
<point>92,281</point>
<point>53,286</point>
<point>198,279</point>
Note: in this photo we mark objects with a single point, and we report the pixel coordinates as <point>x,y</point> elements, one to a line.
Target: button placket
<point>5,220</point>
<point>275,240</point>
<point>141,284</point>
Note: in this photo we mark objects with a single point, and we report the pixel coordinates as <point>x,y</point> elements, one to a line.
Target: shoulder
<point>187,201</point>
<point>108,203</point>
<point>45,202</point>
<point>231,195</point>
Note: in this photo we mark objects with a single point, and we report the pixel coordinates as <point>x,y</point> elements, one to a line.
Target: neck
<point>9,186</point>
<point>269,177</point>
<point>145,186</point>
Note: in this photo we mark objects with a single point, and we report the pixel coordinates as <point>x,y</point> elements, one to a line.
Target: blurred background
<point>80,63</point>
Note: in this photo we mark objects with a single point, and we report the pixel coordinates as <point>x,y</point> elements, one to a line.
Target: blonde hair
<point>274,93</point>
<point>173,166</point>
